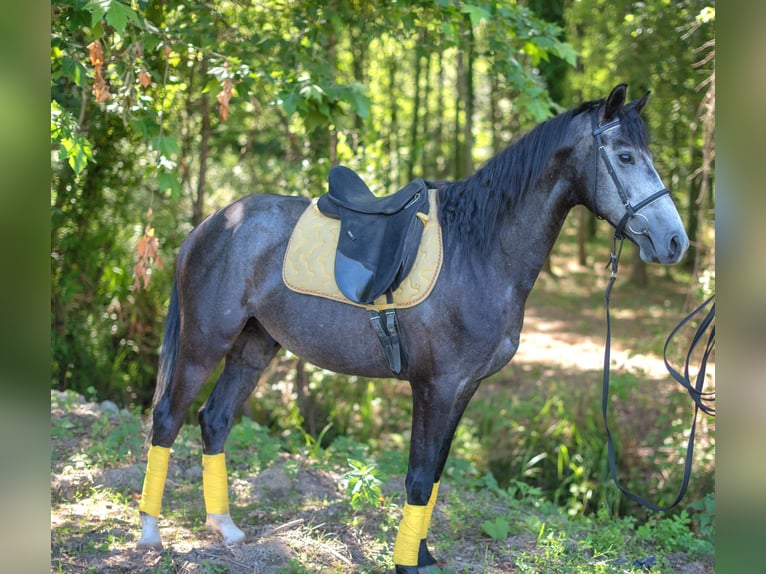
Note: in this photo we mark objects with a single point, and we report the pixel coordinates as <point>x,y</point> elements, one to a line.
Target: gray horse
<point>498,226</point>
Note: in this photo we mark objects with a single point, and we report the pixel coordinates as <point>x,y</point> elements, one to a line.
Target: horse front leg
<point>436,413</point>
<point>250,355</point>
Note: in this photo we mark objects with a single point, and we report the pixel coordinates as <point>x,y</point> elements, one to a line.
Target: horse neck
<point>525,225</point>
<point>526,235</point>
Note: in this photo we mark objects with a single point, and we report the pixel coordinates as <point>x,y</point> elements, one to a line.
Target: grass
<point>335,513</point>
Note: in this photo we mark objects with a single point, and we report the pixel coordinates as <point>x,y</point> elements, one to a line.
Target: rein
<point>700,398</point>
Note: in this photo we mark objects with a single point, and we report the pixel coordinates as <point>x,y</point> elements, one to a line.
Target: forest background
<point>161,112</point>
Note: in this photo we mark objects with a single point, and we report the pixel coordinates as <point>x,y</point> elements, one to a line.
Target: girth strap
<point>385,323</point>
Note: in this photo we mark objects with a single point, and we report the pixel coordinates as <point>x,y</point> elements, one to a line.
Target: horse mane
<point>470,208</point>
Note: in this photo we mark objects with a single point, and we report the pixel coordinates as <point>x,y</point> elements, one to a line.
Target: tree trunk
<point>391,175</point>
<point>307,404</point>
<point>438,156</point>
<point>638,274</point>
<point>582,235</point>
<point>425,122</point>
<point>467,168</point>
<point>414,129</point>
<point>459,105</point>
<point>494,113</point>
<point>198,205</point>
<point>360,56</point>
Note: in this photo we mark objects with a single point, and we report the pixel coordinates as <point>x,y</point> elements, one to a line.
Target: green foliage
<point>362,485</point>
<point>497,529</point>
<point>705,515</point>
<point>673,534</point>
<point>251,446</point>
<point>553,540</point>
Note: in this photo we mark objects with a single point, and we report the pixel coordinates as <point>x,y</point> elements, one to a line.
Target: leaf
<point>566,52</point>
<point>476,14</point>
<point>168,145</point>
<point>119,14</point>
<point>291,103</point>
<point>75,71</point>
<point>98,9</point>
<point>360,103</point>
<point>78,152</point>
<point>497,529</point>
<point>169,181</point>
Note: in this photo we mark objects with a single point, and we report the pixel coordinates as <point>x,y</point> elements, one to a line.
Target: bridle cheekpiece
<point>631,211</point>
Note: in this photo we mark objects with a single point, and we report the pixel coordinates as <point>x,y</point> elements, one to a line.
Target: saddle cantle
<point>379,236</point>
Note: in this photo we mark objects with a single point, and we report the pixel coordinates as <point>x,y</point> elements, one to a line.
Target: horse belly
<point>333,336</point>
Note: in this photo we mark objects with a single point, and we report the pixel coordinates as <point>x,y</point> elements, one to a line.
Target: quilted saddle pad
<point>309,264</point>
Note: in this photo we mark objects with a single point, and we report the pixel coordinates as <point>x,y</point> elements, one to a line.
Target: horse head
<point>627,191</point>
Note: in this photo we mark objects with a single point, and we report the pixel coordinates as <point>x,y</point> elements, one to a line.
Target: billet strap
<point>695,391</point>
<point>385,323</point>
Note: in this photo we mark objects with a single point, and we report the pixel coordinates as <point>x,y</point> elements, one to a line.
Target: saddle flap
<point>371,260</point>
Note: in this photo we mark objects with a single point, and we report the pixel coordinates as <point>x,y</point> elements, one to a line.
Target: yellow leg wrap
<point>409,535</point>
<point>154,481</point>
<point>215,484</point>
<point>430,509</point>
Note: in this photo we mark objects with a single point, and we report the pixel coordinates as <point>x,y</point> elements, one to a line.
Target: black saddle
<point>379,236</point>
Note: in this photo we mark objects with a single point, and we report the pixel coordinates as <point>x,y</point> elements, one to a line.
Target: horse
<point>498,226</point>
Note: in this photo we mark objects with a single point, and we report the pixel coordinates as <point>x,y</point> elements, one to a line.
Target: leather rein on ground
<point>702,400</point>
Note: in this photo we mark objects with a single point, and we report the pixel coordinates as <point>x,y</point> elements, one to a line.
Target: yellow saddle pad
<point>309,264</point>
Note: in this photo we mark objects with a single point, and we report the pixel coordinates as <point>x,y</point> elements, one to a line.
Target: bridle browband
<point>631,211</point>
<point>695,390</point>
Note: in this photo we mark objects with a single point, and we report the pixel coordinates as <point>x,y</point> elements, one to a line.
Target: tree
<point>162,111</point>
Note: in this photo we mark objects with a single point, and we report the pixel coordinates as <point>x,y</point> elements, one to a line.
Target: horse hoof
<point>150,534</point>
<point>224,525</point>
<point>149,545</point>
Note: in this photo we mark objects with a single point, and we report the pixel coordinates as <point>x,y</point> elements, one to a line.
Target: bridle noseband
<point>631,211</point>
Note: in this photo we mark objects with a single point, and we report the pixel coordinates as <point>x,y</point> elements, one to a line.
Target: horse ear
<point>639,104</point>
<point>615,101</point>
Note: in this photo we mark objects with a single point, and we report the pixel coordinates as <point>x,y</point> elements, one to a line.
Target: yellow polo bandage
<point>154,481</point>
<point>215,484</point>
<point>430,509</point>
<point>409,536</point>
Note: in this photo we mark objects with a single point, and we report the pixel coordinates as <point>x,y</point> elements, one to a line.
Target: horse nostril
<point>675,247</point>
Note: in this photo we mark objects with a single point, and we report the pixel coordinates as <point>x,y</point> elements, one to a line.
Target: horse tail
<point>168,355</point>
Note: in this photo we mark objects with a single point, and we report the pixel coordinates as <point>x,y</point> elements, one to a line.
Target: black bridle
<point>700,398</point>
<point>631,211</point>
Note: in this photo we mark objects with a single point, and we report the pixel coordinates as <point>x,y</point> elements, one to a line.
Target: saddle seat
<point>379,236</point>
<point>346,189</point>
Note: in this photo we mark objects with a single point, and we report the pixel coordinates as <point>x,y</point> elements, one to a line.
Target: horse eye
<point>625,158</point>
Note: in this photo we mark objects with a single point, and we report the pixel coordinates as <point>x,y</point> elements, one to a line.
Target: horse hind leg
<point>250,355</point>
<point>184,382</point>
<point>186,361</point>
